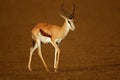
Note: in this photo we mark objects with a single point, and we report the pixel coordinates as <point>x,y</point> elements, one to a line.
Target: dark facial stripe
<point>44,34</point>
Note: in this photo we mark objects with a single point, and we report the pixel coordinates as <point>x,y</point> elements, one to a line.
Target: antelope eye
<point>69,23</point>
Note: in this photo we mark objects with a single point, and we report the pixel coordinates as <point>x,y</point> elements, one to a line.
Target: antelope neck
<point>65,27</point>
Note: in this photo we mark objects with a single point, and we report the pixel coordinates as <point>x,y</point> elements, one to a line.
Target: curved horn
<point>70,16</point>
<point>73,13</point>
<point>62,9</point>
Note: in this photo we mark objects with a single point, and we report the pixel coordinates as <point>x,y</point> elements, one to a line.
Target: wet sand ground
<point>91,52</point>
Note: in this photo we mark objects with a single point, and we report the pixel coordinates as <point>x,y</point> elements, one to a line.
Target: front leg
<point>57,53</point>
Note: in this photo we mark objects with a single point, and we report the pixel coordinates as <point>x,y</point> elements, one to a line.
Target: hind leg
<point>40,54</point>
<point>32,49</point>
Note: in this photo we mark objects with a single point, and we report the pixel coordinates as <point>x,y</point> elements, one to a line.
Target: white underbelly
<point>45,39</point>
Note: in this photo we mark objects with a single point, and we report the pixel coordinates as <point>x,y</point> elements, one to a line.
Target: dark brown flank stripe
<point>44,33</point>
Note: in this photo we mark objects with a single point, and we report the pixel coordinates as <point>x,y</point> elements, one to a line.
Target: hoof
<point>29,69</point>
<point>48,70</point>
<point>55,70</point>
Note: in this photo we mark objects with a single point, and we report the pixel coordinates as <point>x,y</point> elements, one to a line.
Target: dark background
<point>91,52</point>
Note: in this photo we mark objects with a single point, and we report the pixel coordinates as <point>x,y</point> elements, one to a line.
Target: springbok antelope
<point>46,33</point>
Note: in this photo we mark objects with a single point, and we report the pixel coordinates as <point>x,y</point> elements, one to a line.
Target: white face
<point>71,24</point>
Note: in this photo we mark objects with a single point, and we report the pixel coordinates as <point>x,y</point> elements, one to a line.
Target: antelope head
<point>69,18</point>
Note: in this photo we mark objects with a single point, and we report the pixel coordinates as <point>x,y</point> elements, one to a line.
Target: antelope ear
<point>62,16</point>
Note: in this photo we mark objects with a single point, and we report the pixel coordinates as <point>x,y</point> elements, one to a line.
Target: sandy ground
<point>91,52</point>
